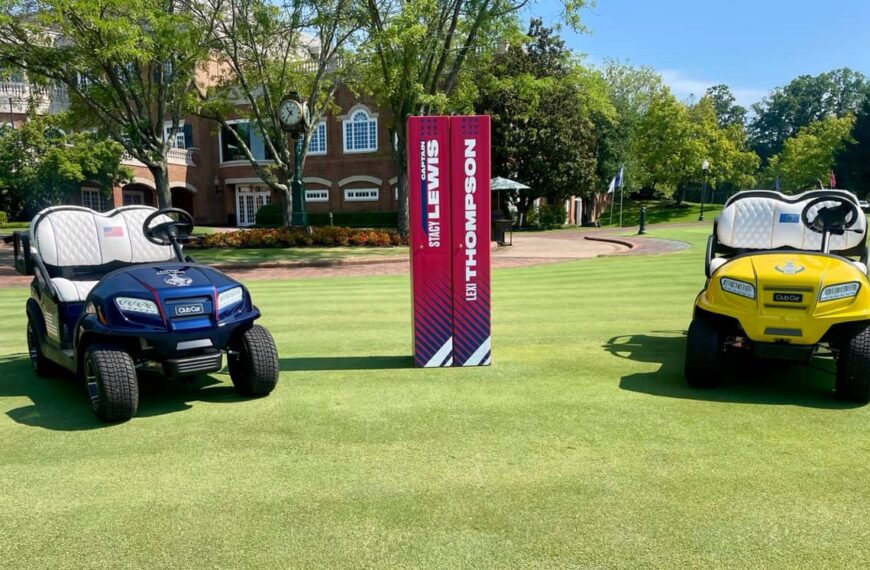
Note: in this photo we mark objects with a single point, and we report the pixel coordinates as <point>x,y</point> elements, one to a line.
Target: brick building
<point>349,167</point>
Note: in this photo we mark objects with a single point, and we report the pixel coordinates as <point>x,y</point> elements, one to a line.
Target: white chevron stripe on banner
<point>477,358</point>
<point>442,354</point>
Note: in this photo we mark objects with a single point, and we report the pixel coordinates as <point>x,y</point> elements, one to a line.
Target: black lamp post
<point>705,166</point>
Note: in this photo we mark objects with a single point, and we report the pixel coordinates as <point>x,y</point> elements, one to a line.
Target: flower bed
<point>295,237</point>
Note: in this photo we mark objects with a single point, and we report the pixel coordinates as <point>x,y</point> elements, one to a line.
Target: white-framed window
<point>360,133</point>
<point>231,151</point>
<point>249,199</point>
<point>183,137</point>
<point>133,197</point>
<point>317,195</point>
<point>317,143</point>
<point>91,198</point>
<point>361,195</point>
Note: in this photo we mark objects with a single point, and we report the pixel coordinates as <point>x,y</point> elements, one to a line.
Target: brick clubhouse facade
<point>349,167</point>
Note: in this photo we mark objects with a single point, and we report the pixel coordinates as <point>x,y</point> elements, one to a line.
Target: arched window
<point>361,132</point>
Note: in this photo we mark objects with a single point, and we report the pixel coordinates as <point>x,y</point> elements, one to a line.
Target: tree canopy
<point>127,64</point>
<point>40,164</point>
<point>805,100</point>
<point>806,159</point>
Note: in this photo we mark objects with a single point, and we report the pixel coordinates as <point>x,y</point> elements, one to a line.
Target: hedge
<point>4,219</point>
<point>298,237</point>
<point>271,216</point>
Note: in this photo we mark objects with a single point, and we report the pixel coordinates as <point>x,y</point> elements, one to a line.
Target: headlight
<point>131,305</point>
<point>738,287</point>
<point>230,297</point>
<point>839,291</point>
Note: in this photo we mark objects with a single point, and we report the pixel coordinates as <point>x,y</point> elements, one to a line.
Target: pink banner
<point>471,205</point>
<point>429,220</point>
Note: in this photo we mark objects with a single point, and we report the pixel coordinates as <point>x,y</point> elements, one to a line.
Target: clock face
<point>290,113</point>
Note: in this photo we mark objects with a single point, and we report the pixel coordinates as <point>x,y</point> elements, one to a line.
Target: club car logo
<point>175,277</point>
<point>789,268</point>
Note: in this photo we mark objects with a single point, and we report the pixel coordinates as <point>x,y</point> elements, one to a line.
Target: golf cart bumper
<point>786,326</point>
<point>192,365</point>
<point>161,344</point>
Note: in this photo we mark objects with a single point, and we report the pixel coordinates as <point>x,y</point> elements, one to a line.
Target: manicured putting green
<point>580,447</point>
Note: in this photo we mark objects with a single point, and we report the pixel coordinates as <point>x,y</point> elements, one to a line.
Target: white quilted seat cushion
<point>69,236</point>
<point>72,291</point>
<point>774,221</point>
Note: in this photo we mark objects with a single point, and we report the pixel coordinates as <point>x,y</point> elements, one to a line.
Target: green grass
<point>657,212</point>
<point>253,255</point>
<point>581,447</point>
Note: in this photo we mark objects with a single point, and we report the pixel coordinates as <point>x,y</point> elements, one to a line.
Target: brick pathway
<point>528,249</point>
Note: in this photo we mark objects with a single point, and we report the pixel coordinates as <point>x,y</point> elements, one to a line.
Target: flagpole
<point>621,196</point>
<point>611,207</point>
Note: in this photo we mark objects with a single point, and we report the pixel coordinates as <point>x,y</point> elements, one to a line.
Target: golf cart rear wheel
<point>853,367</point>
<point>110,375</point>
<point>704,353</point>
<point>253,361</point>
<point>41,365</point>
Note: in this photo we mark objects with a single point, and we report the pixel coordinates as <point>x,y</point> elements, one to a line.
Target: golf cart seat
<point>78,246</point>
<point>758,220</point>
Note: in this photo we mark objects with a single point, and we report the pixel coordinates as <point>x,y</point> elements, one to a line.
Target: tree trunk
<point>287,206</point>
<point>400,156</point>
<point>160,172</point>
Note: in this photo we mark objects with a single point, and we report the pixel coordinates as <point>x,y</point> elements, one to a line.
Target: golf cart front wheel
<point>253,362</point>
<point>704,353</point>
<point>41,365</point>
<point>110,375</point>
<point>853,367</point>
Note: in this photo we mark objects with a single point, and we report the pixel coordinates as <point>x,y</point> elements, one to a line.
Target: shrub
<point>356,219</point>
<point>4,219</point>
<point>270,216</point>
<point>296,237</point>
<point>547,217</point>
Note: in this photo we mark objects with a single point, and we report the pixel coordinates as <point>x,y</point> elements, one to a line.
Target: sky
<point>752,46</point>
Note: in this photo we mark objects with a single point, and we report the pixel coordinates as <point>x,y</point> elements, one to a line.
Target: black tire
<point>110,377</point>
<point>41,365</point>
<point>705,353</point>
<point>853,367</point>
<point>253,362</point>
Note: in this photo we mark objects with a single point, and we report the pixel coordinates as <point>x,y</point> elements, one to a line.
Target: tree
<point>805,100</point>
<point>853,160</point>
<point>664,146</point>
<point>807,158</point>
<point>263,52</point>
<point>40,164</point>
<point>631,90</point>
<point>545,110</point>
<point>672,140</point>
<point>127,64</point>
<point>418,55</point>
<point>728,112</point>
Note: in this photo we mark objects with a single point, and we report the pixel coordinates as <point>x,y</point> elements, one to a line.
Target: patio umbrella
<point>499,183</point>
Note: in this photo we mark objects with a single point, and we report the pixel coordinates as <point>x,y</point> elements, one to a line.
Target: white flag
<point>612,186</point>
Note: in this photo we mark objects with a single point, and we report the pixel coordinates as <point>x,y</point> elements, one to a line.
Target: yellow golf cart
<point>786,277</point>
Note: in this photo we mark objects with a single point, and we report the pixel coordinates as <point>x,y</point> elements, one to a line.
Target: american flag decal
<point>113,231</point>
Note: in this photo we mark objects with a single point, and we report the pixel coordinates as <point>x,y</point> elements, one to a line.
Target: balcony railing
<point>180,156</point>
<point>19,95</point>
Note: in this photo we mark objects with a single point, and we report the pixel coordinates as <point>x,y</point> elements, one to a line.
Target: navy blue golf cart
<point>113,292</point>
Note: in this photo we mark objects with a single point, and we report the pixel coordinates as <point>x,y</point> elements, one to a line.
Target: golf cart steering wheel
<point>168,232</point>
<point>834,219</point>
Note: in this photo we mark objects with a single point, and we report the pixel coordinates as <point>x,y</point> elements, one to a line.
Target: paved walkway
<point>528,249</point>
